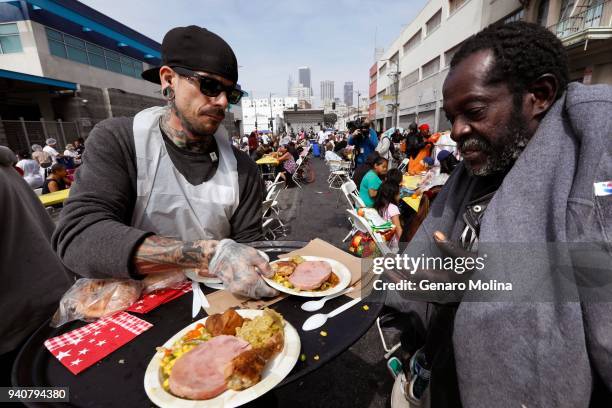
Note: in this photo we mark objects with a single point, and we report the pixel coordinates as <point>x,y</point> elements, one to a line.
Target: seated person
<point>394,176</point>
<point>330,155</point>
<point>448,162</point>
<point>362,169</point>
<point>31,272</point>
<point>288,163</point>
<point>57,180</point>
<point>368,189</point>
<point>386,204</point>
<point>261,150</point>
<point>291,148</point>
<point>31,169</point>
<point>415,165</point>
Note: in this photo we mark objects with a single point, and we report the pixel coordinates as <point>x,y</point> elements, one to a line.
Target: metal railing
<point>592,17</point>
<point>22,134</point>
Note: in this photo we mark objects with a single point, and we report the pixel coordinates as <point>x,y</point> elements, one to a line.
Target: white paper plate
<point>202,279</point>
<point>276,370</point>
<point>339,269</point>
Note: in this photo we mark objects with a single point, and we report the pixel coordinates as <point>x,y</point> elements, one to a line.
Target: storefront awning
<point>37,80</point>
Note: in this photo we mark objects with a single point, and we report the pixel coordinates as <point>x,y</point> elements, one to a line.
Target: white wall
<point>26,61</point>
<point>261,106</point>
<point>454,28</point>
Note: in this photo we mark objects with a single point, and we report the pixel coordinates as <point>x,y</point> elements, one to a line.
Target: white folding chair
<point>267,220</point>
<point>295,173</point>
<point>349,189</point>
<point>339,173</point>
<point>362,225</point>
<point>403,165</point>
<point>274,189</point>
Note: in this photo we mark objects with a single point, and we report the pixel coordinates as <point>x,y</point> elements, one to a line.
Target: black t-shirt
<point>61,184</point>
<point>197,168</point>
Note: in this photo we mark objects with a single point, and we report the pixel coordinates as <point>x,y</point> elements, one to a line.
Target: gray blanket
<point>540,349</point>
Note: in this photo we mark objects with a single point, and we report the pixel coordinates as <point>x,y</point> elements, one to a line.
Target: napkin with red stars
<point>83,347</point>
<point>149,302</point>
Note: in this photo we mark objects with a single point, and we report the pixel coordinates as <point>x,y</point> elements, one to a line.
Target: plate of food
<point>205,365</point>
<point>309,276</point>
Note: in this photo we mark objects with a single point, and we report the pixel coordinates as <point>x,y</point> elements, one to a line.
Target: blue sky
<point>272,38</point>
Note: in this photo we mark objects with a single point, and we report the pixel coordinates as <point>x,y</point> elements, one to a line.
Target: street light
<point>358,98</point>
<point>271,117</point>
<point>396,74</point>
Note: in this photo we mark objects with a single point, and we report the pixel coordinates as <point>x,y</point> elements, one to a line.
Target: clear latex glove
<point>239,267</point>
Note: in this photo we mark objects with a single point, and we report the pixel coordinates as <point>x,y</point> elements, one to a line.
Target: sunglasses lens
<point>210,87</point>
<point>234,96</point>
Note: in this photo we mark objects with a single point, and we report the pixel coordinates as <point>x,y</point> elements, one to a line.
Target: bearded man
<point>528,200</point>
<point>166,191</point>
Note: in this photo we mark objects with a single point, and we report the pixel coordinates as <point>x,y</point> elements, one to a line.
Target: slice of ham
<point>199,373</point>
<point>310,275</point>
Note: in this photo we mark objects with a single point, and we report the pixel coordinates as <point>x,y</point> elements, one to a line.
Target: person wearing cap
<point>50,146</point>
<point>416,163</point>
<point>165,192</point>
<point>448,162</point>
<point>365,141</point>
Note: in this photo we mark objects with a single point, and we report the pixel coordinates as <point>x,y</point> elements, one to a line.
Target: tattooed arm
<point>160,254</point>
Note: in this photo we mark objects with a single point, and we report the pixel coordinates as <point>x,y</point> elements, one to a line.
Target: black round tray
<point>117,380</point>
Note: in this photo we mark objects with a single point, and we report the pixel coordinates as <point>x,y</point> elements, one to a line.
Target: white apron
<point>167,204</point>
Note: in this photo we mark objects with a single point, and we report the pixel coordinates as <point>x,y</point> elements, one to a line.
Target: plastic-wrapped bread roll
<point>90,299</point>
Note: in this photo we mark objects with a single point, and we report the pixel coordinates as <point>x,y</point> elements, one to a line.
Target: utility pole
<point>396,76</point>
<point>396,104</point>
<point>254,103</point>
<point>271,118</point>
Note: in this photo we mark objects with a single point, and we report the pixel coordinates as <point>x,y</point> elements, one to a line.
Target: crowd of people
<point>167,192</point>
<point>46,168</point>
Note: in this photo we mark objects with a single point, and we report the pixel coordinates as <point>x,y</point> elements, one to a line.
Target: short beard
<point>514,139</point>
<point>186,124</point>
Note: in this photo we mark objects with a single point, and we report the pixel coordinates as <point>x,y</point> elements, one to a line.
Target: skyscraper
<point>348,93</point>
<point>289,85</point>
<point>304,77</point>
<point>327,91</point>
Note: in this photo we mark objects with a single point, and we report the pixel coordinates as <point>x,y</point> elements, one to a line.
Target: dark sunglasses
<point>211,87</point>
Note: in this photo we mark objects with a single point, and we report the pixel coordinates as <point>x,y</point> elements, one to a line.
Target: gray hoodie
<point>540,349</point>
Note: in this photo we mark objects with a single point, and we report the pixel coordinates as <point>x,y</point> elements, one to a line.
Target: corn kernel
<point>316,357</point>
<point>303,357</point>
<point>323,333</point>
<point>366,307</point>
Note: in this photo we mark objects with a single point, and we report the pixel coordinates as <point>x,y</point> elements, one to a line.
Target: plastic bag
<point>363,246</point>
<point>90,299</point>
<point>157,281</point>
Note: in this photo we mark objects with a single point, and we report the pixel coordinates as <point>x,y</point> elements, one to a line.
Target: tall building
<point>348,93</point>
<point>302,93</point>
<point>327,91</point>
<point>423,51</point>
<point>304,77</point>
<point>289,85</point>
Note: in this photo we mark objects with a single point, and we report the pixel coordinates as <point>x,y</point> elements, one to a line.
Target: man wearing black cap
<point>165,192</point>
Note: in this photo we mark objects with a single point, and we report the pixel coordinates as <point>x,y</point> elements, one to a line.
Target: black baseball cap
<point>197,49</point>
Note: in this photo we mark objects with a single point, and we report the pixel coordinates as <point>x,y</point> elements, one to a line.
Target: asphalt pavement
<point>358,377</point>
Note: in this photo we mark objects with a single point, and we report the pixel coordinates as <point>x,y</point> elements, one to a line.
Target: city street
<point>358,377</point>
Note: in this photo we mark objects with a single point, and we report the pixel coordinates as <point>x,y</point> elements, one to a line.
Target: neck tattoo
<point>181,138</point>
